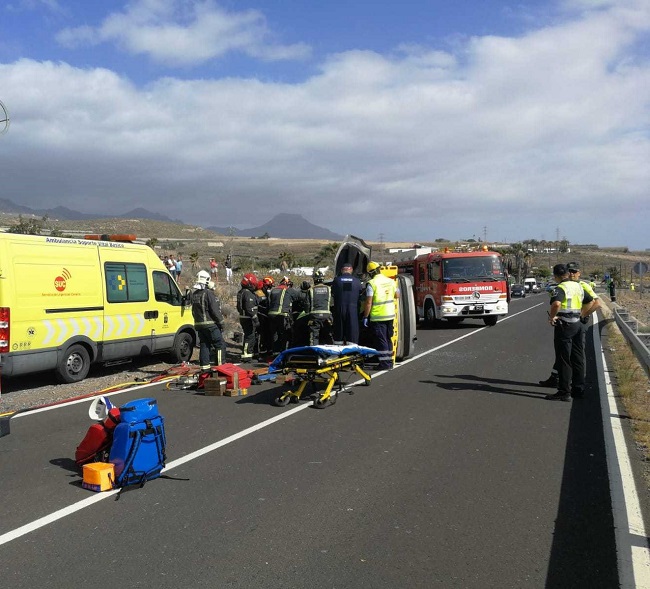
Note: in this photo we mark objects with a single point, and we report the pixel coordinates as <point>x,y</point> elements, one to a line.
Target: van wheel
<point>490,321</point>
<point>74,365</point>
<point>183,348</point>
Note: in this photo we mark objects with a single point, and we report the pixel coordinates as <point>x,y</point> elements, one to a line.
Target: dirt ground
<point>637,303</point>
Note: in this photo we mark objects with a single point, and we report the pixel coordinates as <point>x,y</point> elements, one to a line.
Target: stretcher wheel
<point>294,399</point>
<point>278,401</point>
<point>331,400</point>
<point>366,382</point>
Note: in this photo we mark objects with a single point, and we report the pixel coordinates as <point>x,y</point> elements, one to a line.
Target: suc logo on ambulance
<point>60,282</point>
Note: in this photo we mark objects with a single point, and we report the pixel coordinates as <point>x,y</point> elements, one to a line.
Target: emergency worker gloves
<point>584,320</point>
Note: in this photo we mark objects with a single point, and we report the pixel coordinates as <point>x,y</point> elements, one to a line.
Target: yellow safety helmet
<point>371,267</point>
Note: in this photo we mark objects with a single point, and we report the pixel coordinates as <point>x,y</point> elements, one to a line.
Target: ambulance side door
<point>166,308</point>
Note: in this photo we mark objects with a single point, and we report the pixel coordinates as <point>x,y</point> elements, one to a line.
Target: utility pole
<point>484,233</point>
<point>381,247</point>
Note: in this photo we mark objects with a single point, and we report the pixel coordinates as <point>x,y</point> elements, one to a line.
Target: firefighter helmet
<point>268,281</point>
<point>202,278</point>
<point>305,286</point>
<point>249,280</point>
<point>372,267</point>
<point>318,277</point>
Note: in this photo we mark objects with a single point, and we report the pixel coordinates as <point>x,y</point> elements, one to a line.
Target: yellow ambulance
<point>68,303</point>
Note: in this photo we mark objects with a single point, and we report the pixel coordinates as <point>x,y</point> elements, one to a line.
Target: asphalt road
<point>449,471</point>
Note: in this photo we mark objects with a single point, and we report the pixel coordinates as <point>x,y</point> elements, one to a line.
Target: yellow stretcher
<point>310,366</point>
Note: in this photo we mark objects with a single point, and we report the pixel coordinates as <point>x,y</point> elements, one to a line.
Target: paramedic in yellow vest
<point>569,304</point>
<point>379,313</point>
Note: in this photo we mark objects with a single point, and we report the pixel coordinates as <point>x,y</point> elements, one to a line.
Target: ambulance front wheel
<point>183,348</point>
<point>74,364</point>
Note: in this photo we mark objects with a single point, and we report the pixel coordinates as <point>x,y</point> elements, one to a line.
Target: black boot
<point>551,381</point>
<point>559,396</point>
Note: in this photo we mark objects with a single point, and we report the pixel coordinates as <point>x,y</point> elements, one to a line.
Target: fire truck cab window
<point>434,270</point>
<point>421,272</point>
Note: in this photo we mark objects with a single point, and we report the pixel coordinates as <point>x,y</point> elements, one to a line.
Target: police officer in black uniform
<point>569,304</point>
<point>346,291</point>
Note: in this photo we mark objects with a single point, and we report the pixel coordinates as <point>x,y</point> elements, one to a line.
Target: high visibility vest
<point>572,303</point>
<point>383,299</point>
<point>321,300</point>
<point>588,289</point>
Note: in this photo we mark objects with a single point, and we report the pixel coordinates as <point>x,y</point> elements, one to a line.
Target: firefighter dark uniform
<point>379,312</point>
<point>569,301</point>
<point>346,291</point>
<point>208,321</point>
<point>320,314</point>
<point>300,317</point>
<point>262,314</point>
<point>248,319</point>
<point>281,299</point>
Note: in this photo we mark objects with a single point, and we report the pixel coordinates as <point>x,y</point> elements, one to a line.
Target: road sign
<point>640,268</point>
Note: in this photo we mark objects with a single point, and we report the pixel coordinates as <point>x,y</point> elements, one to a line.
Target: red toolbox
<point>229,371</point>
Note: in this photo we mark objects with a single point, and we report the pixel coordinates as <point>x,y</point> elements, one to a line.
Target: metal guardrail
<point>640,341</point>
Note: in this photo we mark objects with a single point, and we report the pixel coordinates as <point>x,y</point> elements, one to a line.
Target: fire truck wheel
<point>74,364</point>
<point>490,321</point>
<point>429,314</point>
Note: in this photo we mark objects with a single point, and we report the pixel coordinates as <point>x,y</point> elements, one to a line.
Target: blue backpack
<point>138,450</point>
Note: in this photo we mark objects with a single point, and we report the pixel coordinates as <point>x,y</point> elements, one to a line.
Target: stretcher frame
<point>312,369</point>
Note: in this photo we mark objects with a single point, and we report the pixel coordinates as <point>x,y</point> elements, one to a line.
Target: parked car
<point>518,290</point>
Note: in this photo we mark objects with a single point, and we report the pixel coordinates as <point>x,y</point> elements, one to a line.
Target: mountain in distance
<point>283,225</point>
<point>66,214</point>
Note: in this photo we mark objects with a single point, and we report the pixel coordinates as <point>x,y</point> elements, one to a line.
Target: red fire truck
<point>457,285</point>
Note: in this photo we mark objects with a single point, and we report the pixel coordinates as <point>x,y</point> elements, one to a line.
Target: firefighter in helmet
<point>208,321</point>
<point>300,314</point>
<point>320,314</point>
<point>281,299</point>
<point>248,319</point>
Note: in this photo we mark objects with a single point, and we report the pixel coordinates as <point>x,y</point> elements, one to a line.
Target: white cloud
<point>522,135</point>
<point>180,33</point>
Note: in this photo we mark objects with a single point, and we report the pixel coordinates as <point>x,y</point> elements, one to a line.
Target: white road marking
<point>631,536</point>
<point>66,511</point>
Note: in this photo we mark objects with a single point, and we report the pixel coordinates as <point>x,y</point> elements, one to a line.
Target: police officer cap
<point>305,285</point>
<point>559,270</point>
<point>573,267</point>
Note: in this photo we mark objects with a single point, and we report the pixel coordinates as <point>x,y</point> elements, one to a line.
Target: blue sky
<point>411,120</point>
